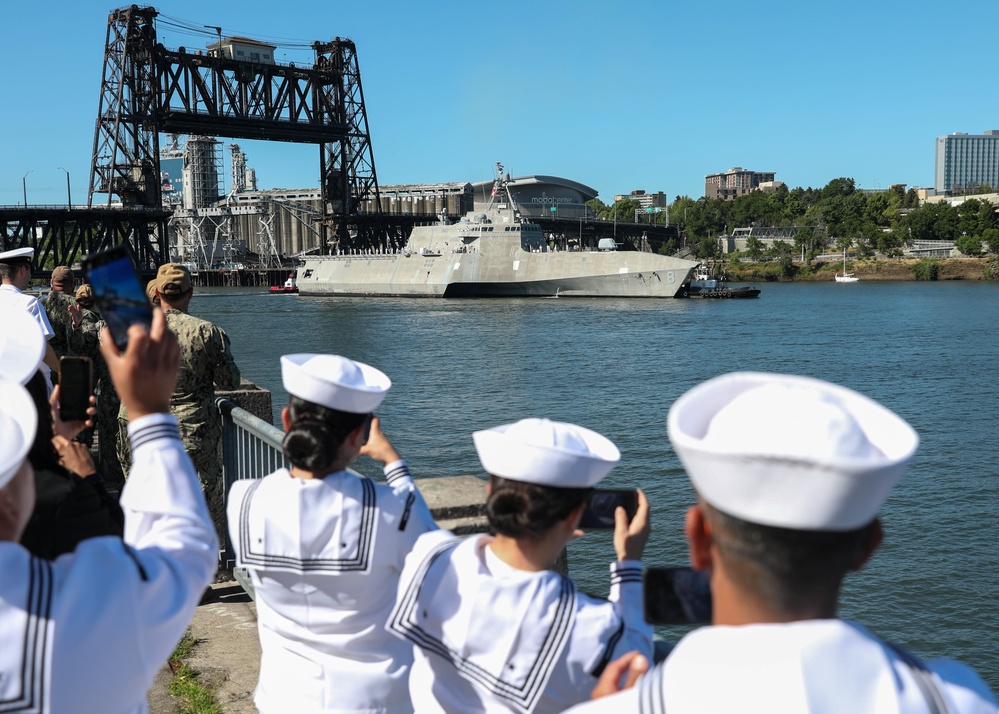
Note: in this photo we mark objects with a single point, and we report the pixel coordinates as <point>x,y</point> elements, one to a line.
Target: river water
<point>926,350</point>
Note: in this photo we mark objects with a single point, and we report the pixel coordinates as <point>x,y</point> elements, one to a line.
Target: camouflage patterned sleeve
<point>226,372</point>
<point>85,339</point>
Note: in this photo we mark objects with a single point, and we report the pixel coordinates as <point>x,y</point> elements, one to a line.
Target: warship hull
<point>472,274</point>
<point>493,253</point>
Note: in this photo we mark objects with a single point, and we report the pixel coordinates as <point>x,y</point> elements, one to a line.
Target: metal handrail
<point>251,448</point>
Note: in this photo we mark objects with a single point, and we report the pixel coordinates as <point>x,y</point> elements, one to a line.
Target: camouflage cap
<point>151,292</point>
<point>173,279</point>
<point>85,295</point>
<point>63,275</point>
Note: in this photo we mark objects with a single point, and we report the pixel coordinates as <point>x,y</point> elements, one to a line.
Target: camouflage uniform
<point>206,363</point>
<point>56,306</point>
<point>85,340</point>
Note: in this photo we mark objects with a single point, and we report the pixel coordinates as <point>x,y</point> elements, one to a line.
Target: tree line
<point>838,213</point>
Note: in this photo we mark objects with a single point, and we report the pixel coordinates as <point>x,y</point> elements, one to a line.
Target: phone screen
<point>74,388</point>
<point>118,293</point>
<point>676,596</point>
<point>599,513</point>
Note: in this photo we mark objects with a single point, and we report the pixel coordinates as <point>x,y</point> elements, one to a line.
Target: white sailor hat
<point>335,382</point>
<point>18,422</point>
<point>549,453</point>
<point>22,346</point>
<point>792,452</point>
<point>17,254</point>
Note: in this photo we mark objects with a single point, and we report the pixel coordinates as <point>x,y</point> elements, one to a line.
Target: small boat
<point>290,286</point>
<point>705,285</point>
<point>846,277</point>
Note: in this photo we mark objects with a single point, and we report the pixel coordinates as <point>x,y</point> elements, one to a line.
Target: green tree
<point>991,238</point>
<point>969,245</point>
<point>668,248</point>
<point>877,208</point>
<point>782,253</point>
<point>754,249</point>
<point>597,206</point>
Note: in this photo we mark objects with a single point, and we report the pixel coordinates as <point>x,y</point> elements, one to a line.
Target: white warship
<point>494,253</point>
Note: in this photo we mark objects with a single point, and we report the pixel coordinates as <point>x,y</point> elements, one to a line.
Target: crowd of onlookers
<point>363,603</point>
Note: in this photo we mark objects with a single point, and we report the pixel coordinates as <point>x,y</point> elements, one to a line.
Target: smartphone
<point>118,292</point>
<point>75,388</point>
<point>599,513</point>
<point>676,596</point>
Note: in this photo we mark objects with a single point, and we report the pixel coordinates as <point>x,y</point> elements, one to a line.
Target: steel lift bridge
<point>147,89</point>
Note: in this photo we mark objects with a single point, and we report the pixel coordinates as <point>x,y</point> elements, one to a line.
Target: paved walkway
<point>227,653</point>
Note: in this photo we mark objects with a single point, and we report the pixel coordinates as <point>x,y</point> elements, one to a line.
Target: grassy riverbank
<point>868,269</point>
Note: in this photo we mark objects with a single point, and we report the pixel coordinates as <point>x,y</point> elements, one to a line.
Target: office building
<point>737,182</point>
<point>645,200</point>
<point>966,162</point>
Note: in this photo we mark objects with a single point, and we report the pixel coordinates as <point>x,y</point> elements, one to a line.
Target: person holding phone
<point>493,627</point>
<point>125,602</point>
<point>86,327</point>
<point>71,503</point>
<point>325,547</point>
<point>206,364</point>
<point>790,473</point>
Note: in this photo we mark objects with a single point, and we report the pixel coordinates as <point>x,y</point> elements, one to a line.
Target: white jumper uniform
<point>89,631</point>
<point>325,557</point>
<point>491,638</point>
<point>12,298</point>
<point>813,667</point>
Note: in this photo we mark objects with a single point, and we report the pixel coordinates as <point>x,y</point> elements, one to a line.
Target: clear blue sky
<point>642,95</point>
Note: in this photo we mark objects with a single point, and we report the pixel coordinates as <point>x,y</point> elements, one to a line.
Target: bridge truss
<point>147,89</point>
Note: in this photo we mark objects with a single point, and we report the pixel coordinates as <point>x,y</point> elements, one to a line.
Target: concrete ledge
<point>453,497</point>
<point>253,399</point>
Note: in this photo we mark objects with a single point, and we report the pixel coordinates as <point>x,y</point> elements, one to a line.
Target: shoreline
<point>867,269</point>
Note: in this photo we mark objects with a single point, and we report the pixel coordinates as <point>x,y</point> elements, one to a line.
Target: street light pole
<point>69,196</point>
<point>24,187</point>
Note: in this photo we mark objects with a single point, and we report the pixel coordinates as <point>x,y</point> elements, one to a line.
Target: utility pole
<point>69,196</point>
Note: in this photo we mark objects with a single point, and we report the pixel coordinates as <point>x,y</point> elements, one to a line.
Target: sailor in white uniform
<point>88,631</point>
<point>791,473</point>
<point>16,277</point>
<point>325,547</point>
<point>494,628</point>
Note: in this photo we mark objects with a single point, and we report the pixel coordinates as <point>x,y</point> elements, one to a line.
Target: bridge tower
<point>147,89</point>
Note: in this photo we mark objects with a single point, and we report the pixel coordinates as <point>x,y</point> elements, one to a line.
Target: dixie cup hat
<point>787,451</point>
<point>548,453</point>
<point>18,423</point>
<point>335,382</point>
<point>22,346</point>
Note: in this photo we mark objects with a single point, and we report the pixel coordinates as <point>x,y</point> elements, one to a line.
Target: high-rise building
<point>736,182</point>
<point>645,200</point>
<point>966,162</point>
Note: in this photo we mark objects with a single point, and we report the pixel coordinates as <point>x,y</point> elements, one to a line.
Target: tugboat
<point>290,286</point>
<point>706,285</point>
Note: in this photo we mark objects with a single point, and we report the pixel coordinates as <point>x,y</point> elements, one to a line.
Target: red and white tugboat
<point>290,285</point>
